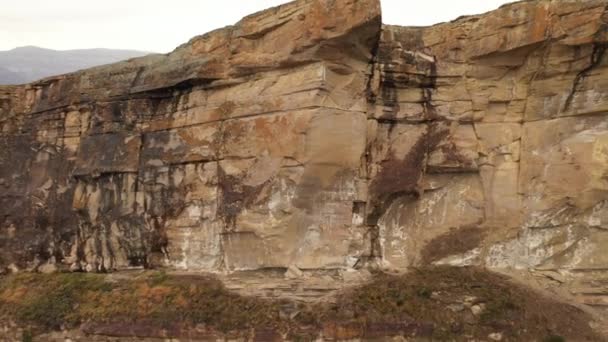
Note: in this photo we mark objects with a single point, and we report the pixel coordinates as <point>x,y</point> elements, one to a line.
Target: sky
<point>161,25</point>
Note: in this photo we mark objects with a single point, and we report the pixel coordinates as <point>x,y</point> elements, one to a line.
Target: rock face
<point>310,136</point>
<point>243,149</point>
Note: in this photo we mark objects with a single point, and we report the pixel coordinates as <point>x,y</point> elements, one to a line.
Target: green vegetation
<point>47,299</point>
<point>68,299</point>
<point>416,303</point>
<point>424,295</point>
<point>26,336</point>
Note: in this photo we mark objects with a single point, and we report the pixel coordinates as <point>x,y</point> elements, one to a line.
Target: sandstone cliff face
<point>240,150</point>
<point>310,135</point>
<point>503,116</point>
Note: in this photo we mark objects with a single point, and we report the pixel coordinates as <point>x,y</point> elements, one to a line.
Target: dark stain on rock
<point>407,70</point>
<point>234,197</point>
<point>401,176</point>
<point>29,228</point>
<point>388,91</point>
<point>454,160</point>
<point>456,241</point>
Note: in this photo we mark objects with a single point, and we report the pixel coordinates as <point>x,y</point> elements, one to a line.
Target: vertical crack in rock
<point>400,175</point>
<point>597,56</point>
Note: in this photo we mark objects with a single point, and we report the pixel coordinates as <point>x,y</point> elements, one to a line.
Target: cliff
<point>311,137</point>
<point>250,136</point>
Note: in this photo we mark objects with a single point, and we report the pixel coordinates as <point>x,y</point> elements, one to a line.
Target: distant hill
<point>31,63</point>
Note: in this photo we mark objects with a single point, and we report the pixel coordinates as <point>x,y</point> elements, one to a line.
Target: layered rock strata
<point>242,149</point>
<point>310,136</point>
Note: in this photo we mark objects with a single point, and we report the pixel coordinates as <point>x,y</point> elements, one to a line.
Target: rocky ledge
<point>310,137</point>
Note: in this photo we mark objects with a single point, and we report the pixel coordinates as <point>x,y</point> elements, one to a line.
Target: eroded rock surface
<point>240,150</point>
<point>309,137</point>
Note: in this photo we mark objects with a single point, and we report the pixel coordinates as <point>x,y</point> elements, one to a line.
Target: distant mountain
<point>31,63</point>
<point>10,77</point>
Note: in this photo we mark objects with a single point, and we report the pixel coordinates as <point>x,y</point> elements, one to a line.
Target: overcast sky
<point>161,25</point>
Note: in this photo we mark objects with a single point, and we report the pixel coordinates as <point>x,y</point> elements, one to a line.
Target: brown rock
<point>310,136</point>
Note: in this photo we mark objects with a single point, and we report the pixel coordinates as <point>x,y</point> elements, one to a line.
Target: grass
<point>423,295</point>
<point>414,304</point>
<point>26,336</point>
<point>47,300</point>
<point>66,300</point>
